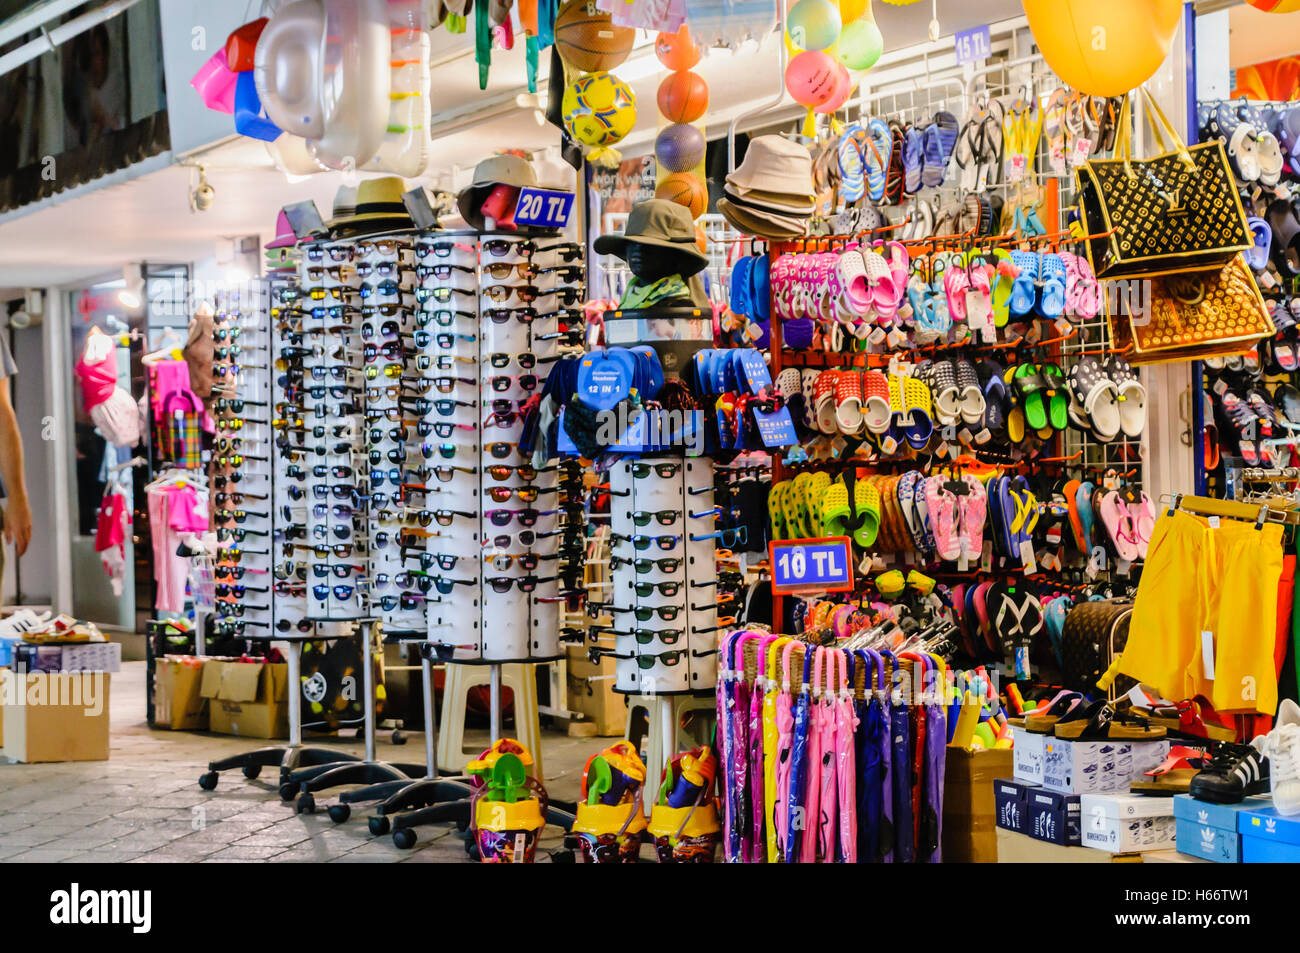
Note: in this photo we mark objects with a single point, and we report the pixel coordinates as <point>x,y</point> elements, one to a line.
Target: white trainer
<point>1282,748</point>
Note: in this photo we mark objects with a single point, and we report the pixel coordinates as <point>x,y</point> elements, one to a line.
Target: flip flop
<point>973,510</point>
<point>1142,514</point>
<point>1119,526</point>
<point>1045,718</point>
<point>942,507</point>
<point>852,185</point>
<point>1054,130</point>
<point>995,395</point>
<point>912,149</point>
<point>934,159</point>
<point>1174,774</point>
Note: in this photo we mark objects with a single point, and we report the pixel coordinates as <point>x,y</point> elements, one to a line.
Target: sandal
<point>1101,720</point>
<point>1046,718</point>
<point>1174,774</point>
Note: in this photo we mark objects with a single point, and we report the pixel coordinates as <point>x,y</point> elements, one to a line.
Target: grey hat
<point>655,222</point>
<point>488,174</point>
<point>774,164</point>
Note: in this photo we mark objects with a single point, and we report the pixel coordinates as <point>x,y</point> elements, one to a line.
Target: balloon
<point>677,51</point>
<point>1275,6</point>
<point>850,10</point>
<point>811,78</point>
<point>861,44</point>
<point>843,86</point>
<point>1104,47</point>
<point>814,24</point>
<point>679,147</point>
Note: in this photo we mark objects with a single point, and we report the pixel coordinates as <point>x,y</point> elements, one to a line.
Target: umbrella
<point>846,721</point>
<point>798,763</point>
<point>784,741</point>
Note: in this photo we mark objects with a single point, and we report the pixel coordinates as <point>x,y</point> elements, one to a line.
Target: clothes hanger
<point>162,352</point>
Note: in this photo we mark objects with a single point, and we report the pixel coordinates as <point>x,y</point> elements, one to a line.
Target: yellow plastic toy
<point>610,821</point>
<point>508,810</point>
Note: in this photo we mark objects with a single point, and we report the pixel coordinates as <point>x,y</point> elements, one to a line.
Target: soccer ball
<point>598,108</point>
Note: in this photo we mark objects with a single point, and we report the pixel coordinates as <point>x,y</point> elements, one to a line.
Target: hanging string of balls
<point>598,108</point>
<point>826,40</point>
<point>683,98</point>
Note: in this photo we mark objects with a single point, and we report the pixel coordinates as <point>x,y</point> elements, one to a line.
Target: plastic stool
<point>666,736</point>
<point>522,682</point>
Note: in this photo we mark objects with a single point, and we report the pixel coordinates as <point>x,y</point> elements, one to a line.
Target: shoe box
<point>1124,823</point>
<point>1268,837</point>
<point>1028,753</point>
<point>1097,767</point>
<point>1209,831</point>
<point>1042,814</point>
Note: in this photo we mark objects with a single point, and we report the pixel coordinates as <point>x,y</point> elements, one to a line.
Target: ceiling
<point>98,229</point>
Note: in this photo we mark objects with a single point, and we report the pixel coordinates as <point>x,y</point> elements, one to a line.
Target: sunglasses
<point>667,589</point>
<point>662,517</point>
<point>664,471</point>
<point>500,361</point>
<point>500,247</point>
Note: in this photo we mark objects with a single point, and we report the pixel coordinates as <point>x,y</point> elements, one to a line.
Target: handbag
<point>1093,636</point>
<point>1176,211</point>
<point>1195,314</point>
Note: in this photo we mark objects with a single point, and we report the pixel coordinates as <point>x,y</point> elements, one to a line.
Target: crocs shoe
<point>824,401</point>
<point>920,413</point>
<point>875,402</point>
<point>970,394</point>
<point>1052,279</point>
<point>1024,289</point>
<point>848,402</point>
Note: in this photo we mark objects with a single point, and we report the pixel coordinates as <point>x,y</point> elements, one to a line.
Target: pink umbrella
<point>813,767</point>
<point>846,768</point>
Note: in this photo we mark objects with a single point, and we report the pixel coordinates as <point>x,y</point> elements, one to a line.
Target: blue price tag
<point>777,428</point>
<point>973,45</point>
<point>811,565</point>
<point>543,208</point>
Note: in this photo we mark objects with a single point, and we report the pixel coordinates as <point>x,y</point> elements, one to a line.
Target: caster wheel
<point>306,804</point>
<point>288,791</point>
<point>208,781</point>
<point>340,812</point>
<point>404,839</point>
<point>398,737</point>
<point>462,826</point>
<point>379,825</point>
<point>251,771</point>
<point>471,850</point>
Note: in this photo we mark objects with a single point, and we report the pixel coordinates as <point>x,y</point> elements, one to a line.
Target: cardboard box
<point>1122,823</point>
<point>55,717</point>
<point>246,698</point>
<point>969,812</point>
<point>1011,798</point>
<point>591,691</point>
<point>1016,848</point>
<point>81,657</point>
<point>1053,817</point>
<point>1209,831</point>
<point>1268,837</point>
<point>178,702</point>
<point>1029,753</point>
<point>1098,767</point>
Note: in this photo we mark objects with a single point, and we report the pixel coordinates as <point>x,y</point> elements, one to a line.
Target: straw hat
<point>488,174</point>
<point>655,222</point>
<point>774,164</point>
<point>379,208</point>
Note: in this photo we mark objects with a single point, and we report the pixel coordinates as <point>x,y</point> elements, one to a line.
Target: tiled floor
<point>144,804</point>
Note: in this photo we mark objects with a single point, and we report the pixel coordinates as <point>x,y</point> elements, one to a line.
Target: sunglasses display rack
<point>241,467</point>
<point>498,305</point>
<point>663,596</point>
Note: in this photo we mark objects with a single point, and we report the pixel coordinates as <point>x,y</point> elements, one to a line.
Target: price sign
<point>811,565</point>
<point>542,208</point>
<point>972,46</point>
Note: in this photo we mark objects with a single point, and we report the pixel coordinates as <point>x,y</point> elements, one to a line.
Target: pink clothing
<point>189,514</point>
<point>173,510</point>
<point>98,378</point>
<point>170,383</point>
<point>110,530</point>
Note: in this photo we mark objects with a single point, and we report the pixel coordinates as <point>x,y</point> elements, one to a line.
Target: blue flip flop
<point>932,170</point>
<point>760,290</point>
<point>740,283</point>
<point>1083,503</point>
<point>1024,290</point>
<point>912,149</point>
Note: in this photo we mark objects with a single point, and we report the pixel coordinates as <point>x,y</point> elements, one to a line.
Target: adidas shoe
<point>1234,772</point>
<point>1282,748</point>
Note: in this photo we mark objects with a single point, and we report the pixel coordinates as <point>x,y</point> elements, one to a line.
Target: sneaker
<point>1282,748</point>
<point>1234,772</point>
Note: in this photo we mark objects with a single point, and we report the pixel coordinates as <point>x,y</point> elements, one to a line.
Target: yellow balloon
<point>1104,47</point>
<point>850,10</point>
<point>1275,6</point>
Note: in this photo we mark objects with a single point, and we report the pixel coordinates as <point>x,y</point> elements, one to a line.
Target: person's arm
<point>18,514</point>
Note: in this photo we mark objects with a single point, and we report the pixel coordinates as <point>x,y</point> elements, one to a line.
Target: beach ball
<point>1275,6</point>
<point>814,24</point>
<point>843,86</point>
<point>598,109</point>
<point>677,51</point>
<point>811,78</point>
<point>861,44</point>
<point>679,147</point>
<point>1104,47</point>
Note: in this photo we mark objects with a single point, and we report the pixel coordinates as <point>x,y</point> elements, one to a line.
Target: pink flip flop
<point>1142,515</point>
<point>942,507</point>
<point>973,506</point>
<point>1119,525</point>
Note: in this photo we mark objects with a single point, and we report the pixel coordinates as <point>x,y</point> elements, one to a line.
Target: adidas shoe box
<point>1124,823</point>
<point>1028,753</point>
<point>1209,831</point>
<point>1098,767</point>
<point>1268,837</point>
<point>1053,817</point>
<point>1011,803</point>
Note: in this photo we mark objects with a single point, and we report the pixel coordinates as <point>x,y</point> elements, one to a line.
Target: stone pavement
<point>144,804</point>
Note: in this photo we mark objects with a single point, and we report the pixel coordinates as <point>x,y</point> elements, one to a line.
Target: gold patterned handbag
<point>1177,211</point>
<point>1194,314</point>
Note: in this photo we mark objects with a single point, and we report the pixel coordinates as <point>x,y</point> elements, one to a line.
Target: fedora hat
<point>774,164</point>
<point>284,235</point>
<point>763,224</point>
<point>379,208</point>
<point>488,174</point>
<point>655,222</point>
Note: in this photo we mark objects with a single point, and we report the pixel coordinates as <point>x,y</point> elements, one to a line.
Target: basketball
<point>683,97</point>
<point>677,51</point>
<point>587,38</point>
<point>686,190</point>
